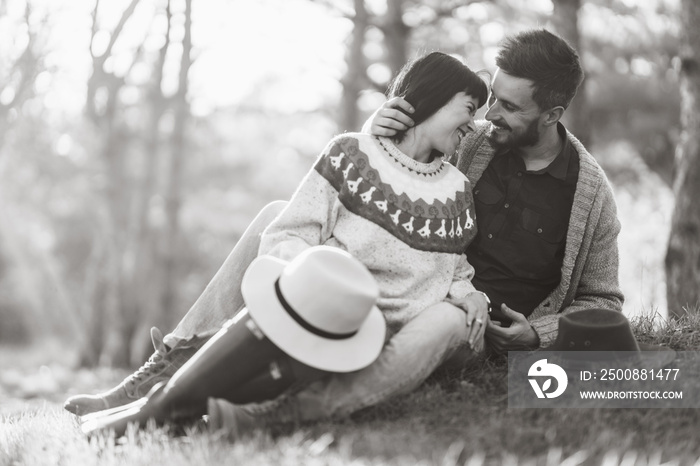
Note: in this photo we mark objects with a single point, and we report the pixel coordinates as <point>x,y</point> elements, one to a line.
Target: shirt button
<point>507,205</point>
<point>520,173</point>
<point>539,230</point>
<point>490,236</point>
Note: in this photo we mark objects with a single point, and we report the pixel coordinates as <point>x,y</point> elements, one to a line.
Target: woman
<point>407,216</point>
<point>394,203</point>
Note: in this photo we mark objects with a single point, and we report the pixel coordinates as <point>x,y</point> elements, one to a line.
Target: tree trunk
<point>683,254</point>
<point>395,36</point>
<point>173,195</point>
<point>355,77</point>
<point>147,281</point>
<point>115,316</point>
<point>121,313</point>
<point>565,19</point>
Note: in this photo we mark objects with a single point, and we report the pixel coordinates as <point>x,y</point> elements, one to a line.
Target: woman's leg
<point>222,298</point>
<point>405,362</point>
<point>220,301</point>
<point>238,364</point>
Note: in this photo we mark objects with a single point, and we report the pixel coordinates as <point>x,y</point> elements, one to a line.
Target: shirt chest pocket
<point>488,195</point>
<point>548,228</point>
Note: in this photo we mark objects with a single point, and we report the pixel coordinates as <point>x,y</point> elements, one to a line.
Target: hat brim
<point>344,355</point>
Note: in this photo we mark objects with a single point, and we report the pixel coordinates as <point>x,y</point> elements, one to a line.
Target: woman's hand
<point>388,120</point>
<point>477,309</point>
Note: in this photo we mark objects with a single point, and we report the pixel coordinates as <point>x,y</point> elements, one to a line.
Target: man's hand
<point>387,120</point>
<point>518,337</point>
<point>476,308</point>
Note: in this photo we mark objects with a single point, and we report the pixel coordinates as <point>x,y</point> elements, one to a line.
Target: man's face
<point>514,116</point>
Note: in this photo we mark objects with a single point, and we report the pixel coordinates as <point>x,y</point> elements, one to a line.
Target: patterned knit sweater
<point>407,222</point>
<point>589,273</point>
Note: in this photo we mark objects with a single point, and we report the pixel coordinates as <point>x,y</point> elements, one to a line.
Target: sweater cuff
<point>547,328</point>
<point>460,289</point>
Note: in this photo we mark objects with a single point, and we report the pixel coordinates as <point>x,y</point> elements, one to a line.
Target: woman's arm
<point>463,295</point>
<point>309,217</point>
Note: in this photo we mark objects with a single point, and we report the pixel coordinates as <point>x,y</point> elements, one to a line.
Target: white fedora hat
<point>320,308</point>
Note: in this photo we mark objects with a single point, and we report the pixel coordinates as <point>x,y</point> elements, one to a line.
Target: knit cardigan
<point>407,222</point>
<point>589,272</point>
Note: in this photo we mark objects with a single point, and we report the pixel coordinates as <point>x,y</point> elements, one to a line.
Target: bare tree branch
<point>24,70</point>
<point>93,29</point>
<point>99,77</point>
<point>120,27</point>
<point>343,10</point>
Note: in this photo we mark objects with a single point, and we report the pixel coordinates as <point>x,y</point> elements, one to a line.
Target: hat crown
<point>329,289</point>
<point>595,330</point>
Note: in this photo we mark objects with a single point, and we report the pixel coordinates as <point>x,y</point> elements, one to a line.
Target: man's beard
<point>529,137</point>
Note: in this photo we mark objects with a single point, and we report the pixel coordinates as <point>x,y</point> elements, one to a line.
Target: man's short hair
<point>545,59</point>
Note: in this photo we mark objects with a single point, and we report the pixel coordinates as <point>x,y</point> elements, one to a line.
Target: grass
<point>454,419</point>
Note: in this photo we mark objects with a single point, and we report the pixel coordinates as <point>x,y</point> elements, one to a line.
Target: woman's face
<point>452,122</point>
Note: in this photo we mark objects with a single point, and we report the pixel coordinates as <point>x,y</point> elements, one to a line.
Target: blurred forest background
<point>139,138</point>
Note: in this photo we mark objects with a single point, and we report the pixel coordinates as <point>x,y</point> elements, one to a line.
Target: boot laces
<point>155,362</point>
<point>152,366</point>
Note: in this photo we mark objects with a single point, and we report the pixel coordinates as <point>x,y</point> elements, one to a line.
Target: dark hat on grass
<point>602,334</point>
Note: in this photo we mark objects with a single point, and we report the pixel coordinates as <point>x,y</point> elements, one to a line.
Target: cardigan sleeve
<point>598,285</point>
<point>308,218</point>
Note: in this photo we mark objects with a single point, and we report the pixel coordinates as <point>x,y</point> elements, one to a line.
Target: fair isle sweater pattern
<point>434,226</point>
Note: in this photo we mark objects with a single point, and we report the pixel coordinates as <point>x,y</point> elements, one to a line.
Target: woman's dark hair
<point>430,81</point>
<point>548,61</point>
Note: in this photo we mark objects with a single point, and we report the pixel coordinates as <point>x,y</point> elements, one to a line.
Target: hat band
<point>304,324</point>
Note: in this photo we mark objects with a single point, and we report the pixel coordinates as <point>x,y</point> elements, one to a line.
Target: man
<point>546,216</point>
<point>545,212</point>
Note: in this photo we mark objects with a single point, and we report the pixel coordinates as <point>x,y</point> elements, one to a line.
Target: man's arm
<point>387,120</point>
<point>597,285</point>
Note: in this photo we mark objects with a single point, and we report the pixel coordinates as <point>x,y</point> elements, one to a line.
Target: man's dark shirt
<point>522,220</point>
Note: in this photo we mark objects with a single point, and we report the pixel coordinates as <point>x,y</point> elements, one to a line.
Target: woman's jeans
<point>407,359</point>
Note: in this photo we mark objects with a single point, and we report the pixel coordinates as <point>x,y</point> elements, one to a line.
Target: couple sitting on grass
<point>359,287</point>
